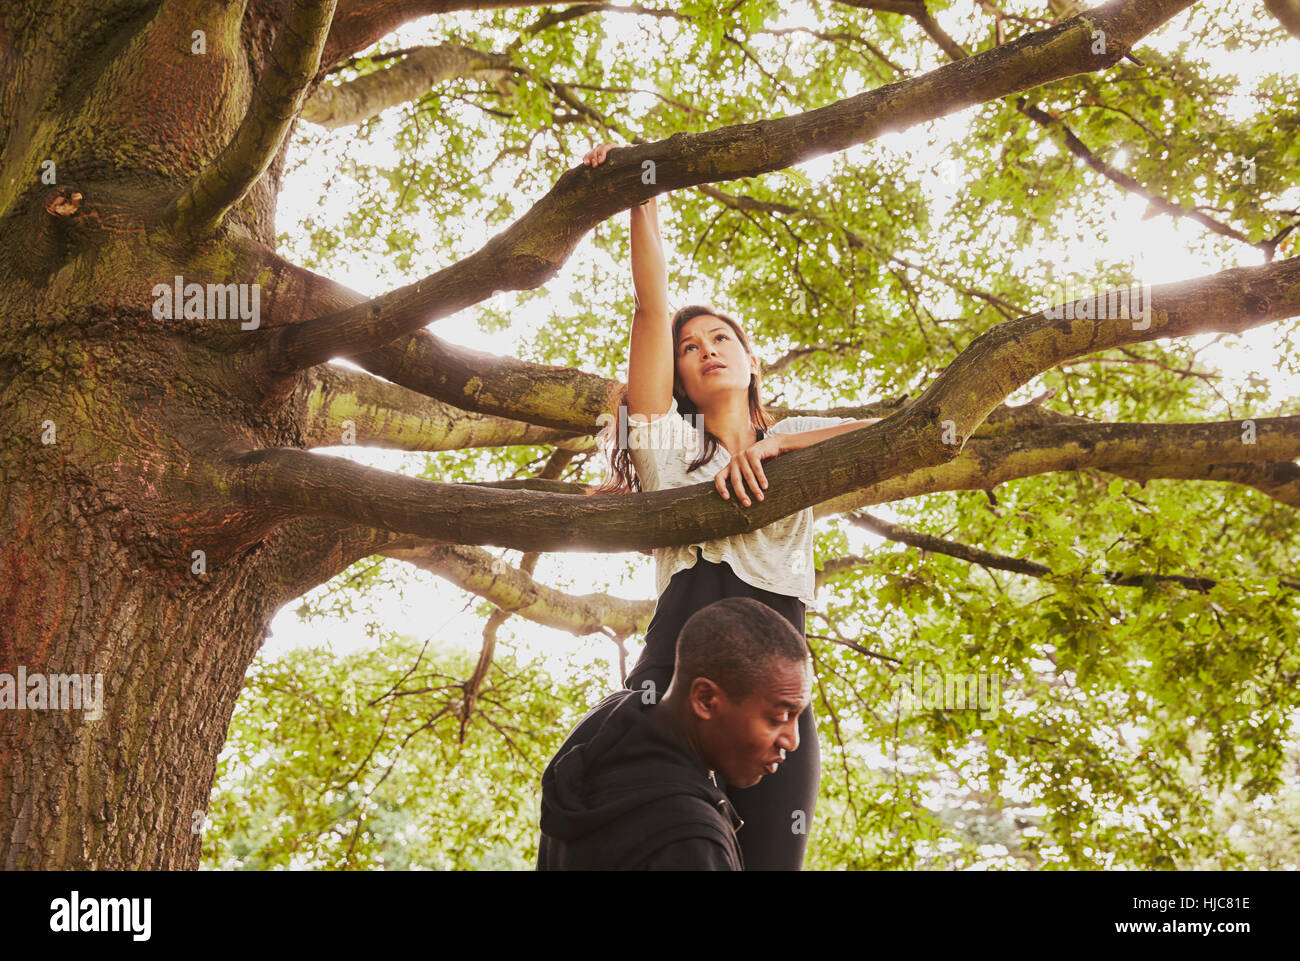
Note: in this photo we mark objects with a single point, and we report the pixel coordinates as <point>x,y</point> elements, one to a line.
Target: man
<point>633,785</point>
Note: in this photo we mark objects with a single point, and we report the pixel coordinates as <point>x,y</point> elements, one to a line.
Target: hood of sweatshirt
<point>616,762</point>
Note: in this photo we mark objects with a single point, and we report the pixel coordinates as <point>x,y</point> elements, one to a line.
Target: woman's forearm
<point>807,438</point>
<point>649,268</point>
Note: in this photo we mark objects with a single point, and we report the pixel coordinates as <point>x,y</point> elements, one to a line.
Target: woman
<point>693,414</point>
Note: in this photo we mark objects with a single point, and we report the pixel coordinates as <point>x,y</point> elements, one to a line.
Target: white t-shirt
<point>778,557</point>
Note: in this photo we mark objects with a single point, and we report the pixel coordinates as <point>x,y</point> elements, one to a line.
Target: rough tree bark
<point>158,500</point>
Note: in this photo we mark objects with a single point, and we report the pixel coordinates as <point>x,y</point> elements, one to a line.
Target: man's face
<point>743,740</point>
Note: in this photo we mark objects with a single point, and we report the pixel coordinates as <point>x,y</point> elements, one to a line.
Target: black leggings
<point>778,810</point>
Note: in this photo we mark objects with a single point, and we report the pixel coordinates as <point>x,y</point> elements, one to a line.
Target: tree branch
<point>567,399</point>
<point>477,571</point>
<point>302,554</point>
<point>975,555</point>
<point>1053,124</point>
<point>923,434</point>
<point>306,553</point>
<point>533,249</point>
<point>916,9</point>
<point>1136,451</point>
<point>1280,480</point>
<point>341,406</point>
<point>1231,301</point>
<point>571,400</point>
<point>360,23</point>
<point>1287,13</point>
<point>795,354</point>
<point>1077,147</point>
<point>554,469</point>
<point>515,592</point>
<point>290,68</point>
<point>345,104</point>
<point>1132,360</point>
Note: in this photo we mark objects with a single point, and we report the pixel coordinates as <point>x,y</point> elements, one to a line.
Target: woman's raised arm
<point>650,357</point>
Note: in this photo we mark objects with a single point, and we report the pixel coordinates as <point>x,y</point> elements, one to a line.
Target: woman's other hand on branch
<point>746,468</point>
<point>596,157</point>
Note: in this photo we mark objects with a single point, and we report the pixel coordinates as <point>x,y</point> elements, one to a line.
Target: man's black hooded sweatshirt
<point>622,793</point>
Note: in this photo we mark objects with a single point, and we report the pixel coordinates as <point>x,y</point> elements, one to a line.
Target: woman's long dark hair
<point>621,477</point>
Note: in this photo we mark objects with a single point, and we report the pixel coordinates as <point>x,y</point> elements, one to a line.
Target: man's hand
<point>747,468</point>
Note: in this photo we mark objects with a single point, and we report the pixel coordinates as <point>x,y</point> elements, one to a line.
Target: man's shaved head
<point>734,642</point>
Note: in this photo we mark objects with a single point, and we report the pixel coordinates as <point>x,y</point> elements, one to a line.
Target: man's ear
<point>705,698</point>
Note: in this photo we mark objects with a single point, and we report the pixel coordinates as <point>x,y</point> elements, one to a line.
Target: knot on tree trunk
<point>63,202</point>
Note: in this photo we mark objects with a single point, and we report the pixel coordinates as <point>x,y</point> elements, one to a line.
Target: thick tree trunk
<point>126,786</point>
<point>120,554</point>
<point>126,789</point>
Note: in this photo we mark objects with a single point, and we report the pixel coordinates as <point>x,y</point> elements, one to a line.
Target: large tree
<point>160,495</point>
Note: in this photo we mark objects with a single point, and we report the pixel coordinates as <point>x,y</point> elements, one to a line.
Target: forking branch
<point>925,433</point>
<point>290,69</point>
<point>531,251</point>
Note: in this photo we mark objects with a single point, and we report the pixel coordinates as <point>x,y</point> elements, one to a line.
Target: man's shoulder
<point>600,712</point>
<point>624,790</point>
<point>612,700</point>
